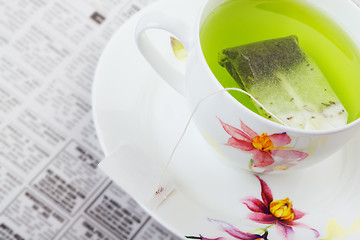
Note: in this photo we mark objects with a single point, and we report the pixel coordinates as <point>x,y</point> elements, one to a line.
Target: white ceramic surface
<point>133,106</point>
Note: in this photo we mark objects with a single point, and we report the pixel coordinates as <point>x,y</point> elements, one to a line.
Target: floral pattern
<point>335,231</point>
<point>234,232</point>
<point>264,148</point>
<point>278,213</point>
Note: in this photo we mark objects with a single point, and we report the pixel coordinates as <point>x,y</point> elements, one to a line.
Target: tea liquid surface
<point>239,22</point>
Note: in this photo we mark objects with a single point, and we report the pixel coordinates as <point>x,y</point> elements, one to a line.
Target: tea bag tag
<point>130,165</point>
<point>163,191</point>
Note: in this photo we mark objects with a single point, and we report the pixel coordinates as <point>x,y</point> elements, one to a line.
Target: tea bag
<point>286,81</point>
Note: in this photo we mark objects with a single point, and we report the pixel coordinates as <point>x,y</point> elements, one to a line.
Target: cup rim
<point>248,111</point>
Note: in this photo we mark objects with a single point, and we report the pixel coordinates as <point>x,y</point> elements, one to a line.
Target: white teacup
<point>242,137</point>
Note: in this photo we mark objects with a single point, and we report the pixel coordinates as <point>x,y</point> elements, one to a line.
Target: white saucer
<point>133,106</point>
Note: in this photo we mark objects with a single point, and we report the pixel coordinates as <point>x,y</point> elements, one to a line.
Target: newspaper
<point>50,187</point>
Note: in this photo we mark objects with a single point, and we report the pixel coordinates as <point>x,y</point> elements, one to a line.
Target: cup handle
<point>161,20</point>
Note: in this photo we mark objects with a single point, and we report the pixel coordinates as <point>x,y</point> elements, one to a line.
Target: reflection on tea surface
<point>239,22</point>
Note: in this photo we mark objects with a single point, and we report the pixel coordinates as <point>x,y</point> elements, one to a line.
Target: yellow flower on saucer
<point>282,209</point>
<point>335,231</point>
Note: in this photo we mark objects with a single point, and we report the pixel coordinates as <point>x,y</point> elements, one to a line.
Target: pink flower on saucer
<point>275,212</point>
<point>233,232</point>
<point>263,147</point>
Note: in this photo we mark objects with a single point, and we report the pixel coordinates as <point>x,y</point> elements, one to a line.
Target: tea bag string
<point>160,188</point>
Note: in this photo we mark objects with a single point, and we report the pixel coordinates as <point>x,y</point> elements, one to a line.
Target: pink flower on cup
<point>276,212</point>
<point>263,147</point>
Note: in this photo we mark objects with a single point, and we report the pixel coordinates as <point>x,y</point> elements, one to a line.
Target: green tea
<point>239,22</point>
